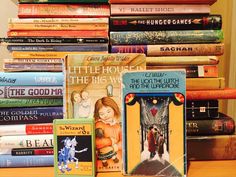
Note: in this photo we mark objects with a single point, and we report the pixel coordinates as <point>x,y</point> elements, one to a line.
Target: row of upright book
<point>183,35</point>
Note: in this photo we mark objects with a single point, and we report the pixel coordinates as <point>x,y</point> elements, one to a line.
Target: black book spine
<point>166,22</point>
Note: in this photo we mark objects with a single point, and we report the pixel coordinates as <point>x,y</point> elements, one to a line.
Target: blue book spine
<point>31,78</point>
<point>11,116</point>
<point>164,37</point>
<point>78,48</point>
<point>26,161</point>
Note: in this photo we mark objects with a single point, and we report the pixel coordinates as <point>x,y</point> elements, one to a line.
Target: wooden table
<point>196,169</point>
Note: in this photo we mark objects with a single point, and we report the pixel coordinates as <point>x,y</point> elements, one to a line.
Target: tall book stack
<point>48,30</point>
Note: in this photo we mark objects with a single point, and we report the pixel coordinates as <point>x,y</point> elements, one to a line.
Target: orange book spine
<point>205,83</point>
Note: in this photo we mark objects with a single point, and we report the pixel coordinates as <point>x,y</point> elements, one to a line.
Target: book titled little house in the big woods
<point>92,90</point>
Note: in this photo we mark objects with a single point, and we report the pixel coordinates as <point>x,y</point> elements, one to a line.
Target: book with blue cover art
<point>153,105</point>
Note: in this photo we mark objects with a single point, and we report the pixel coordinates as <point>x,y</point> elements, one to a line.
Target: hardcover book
<point>205,83</point>
<point>92,89</point>
<point>74,149</point>
<point>153,104</point>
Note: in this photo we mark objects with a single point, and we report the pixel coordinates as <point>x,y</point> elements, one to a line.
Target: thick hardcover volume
<point>11,116</point>
<point>165,22</point>
<point>30,102</point>
<point>62,10</point>
<point>56,33</point>
<point>192,71</point>
<point>26,129</point>
<point>31,91</point>
<point>210,2</point>
<point>171,50</point>
<point>180,61</point>
<point>92,86</point>
<point>51,40</point>
<point>219,147</point>
<point>158,9</point>
<point>153,104</point>
<point>205,83</point>
<point>31,151</point>
<point>74,148</point>
<point>31,79</point>
<point>164,37</point>
<point>202,109</point>
<point>7,143</point>
<point>62,1</point>
<point>227,93</point>
<point>78,48</point>
<point>26,161</point>
<point>224,125</point>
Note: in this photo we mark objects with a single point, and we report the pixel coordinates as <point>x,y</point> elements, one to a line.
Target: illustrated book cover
<point>92,90</point>
<point>74,151</point>
<point>153,104</point>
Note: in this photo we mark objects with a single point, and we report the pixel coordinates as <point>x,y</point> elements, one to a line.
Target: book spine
<point>63,10</point>
<point>62,1</point>
<point>26,161</point>
<point>205,83</point>
<point>72,48</point>
<point>210,127</point>
<point>65,26</point>
<point>54,40</point>
<point>210,2</point>
<point>56,33</point>
<point>166,22</point>
<point>11,116</point>
<point>29,129</point>
<point>163,37</point>
<point>30,102</point>
<point>151,9</point>
<point>218,147</point>
<point>31,92</point>
<point>29,151</point>
<point>31,79</point>
<point>171,50</point>
<point>34,60</point>
<point>227,93</point>
<point>7,143</point>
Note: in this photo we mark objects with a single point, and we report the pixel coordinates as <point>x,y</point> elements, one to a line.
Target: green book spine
<point>74,147</point>
<point>30,102</point>
<point>62,1</point>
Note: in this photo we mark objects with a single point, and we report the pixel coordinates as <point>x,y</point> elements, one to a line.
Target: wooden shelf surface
<point>196,169</point>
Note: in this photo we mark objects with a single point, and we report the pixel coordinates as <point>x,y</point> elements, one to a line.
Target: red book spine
<point>62,10</point>
<point>66,33</point>
<point>43,151</point>
<point>32,129</point>
<point>227,93</point>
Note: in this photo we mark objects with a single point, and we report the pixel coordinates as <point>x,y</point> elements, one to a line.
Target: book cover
<point>166,37</point>
<point>74,150</point>
<point>172,49</point>
<point>202,109</point>
<point>227,93</point>
<point>205,83</point>
<point>26,161</point>
<point>7,143</point>
<point>153,104</point>
<point>92,86</point>
<point>165,22</point>
<point>224,125</point>
<point>31,151</point>
<point>31,79</point>
<point>218,147</point>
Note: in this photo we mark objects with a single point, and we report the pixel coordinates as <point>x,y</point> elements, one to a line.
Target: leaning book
<point>153,105</point>
<point>92,90</point>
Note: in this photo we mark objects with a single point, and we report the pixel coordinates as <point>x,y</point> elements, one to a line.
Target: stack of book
<point>29,101</point>
<point>48,30</point>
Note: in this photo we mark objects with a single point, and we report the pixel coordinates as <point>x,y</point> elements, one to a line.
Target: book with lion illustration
<point>153,105</point>
<point>92,90</point>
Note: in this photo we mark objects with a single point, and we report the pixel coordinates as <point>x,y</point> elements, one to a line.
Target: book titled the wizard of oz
<point>92,90</point>
<point>74,150</point>
<point>154,122</point>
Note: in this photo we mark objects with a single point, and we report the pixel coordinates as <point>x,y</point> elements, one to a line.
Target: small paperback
<point>74,150</point>
<point>154,122</point>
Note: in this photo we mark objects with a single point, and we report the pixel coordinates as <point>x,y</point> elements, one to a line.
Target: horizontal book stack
<point>30,101</point>
<point>48,30</point>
